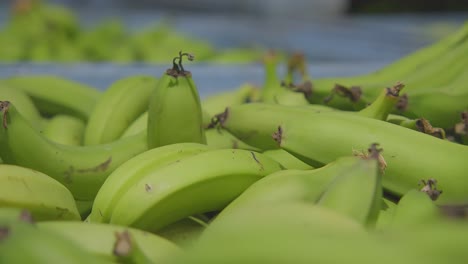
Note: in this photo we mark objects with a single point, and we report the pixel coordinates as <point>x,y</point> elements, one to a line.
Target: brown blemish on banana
<point>278,135</point>
<point>395,90</point>
<point>462,127</point>
<point>148,187</point>
<point>402,103</point>
<point>457,211</point>
<point>26,216</point>
<point>235,144</point>
<point>219,119</point>
<point>430,188</point>
<point>353,93</point>
<point>423,125</point>
<point>68,174</point>
<point>373,153</point>
<point>256,160</point>
<point>4,106</point>
<point>123,244</point>
<point>4,232</point>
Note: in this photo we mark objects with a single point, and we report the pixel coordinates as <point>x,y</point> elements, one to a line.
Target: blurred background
<point>121,37</point>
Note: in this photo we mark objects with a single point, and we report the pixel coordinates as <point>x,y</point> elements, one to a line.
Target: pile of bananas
<point>41,32</point>
<point>362,169</point>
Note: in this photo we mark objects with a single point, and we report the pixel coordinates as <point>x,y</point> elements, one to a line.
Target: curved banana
<point>117,108</point>
<point>320,138</point>
<point>46,198</point>
<point>23,242</point>
<point>23,102</point>
<point>291,185</point>
<point>364,178</point>
<point>415,208</point>
<point>134,170</point>
<point>210,180</point>
<point>81,169</point>
<point>175,113</point>
<point>64,129</point>
<point>99,239</point>
<point>55,95</point>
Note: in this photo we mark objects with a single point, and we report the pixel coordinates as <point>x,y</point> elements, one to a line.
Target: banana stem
<point>384,104</point>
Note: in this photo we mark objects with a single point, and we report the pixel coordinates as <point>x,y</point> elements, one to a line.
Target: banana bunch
<point>435,77</point>
<point>42,31</point>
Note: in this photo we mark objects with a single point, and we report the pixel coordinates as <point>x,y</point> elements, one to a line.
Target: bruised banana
<point>43,196</point>
<point>65,129</point>
<point>306,135</point>
<point>175,113</point>
<point>209,180</point>
<point>123,102</point>
<point>135,169</point>
<point>55,95</point>
<point>99,239</point>
<point>82,169</point>
<point>23,242</point>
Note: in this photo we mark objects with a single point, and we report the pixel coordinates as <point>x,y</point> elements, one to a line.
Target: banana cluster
<point>41,31</point>
<point>147,172</point>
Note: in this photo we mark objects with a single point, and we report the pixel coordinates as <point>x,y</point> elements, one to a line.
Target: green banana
<point>397,70</point>
<point>239,124</point>
<point>99,239</point>
<point>175,113</point>
<point>364,178</point>
<point>287,160</point>
<point>23,242</point>
<point>220,138</point>
<point>46,198</point>
<point>138,125</point>
<point>81,169</point>
<point>273,90</point>
<point>84,208</point>
<point>415,208</point>
<point>134,170</point>
<point>55,95</point>
<point>319,138</point>
<point>141,123</point>
<point>117,108</point>
<point>291,185</point>
<point>65,129</point>
<point>216,103</point>
<point>127,250</point>
<point>183,233</point>
<point>157,199</point>
<point>23,102</point>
